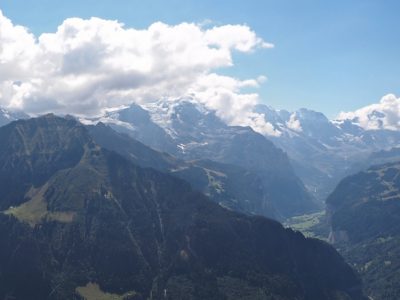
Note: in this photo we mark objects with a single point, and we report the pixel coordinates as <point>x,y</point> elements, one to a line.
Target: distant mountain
<point>374,159</point>
<point>9,116</point>
<point>79,221</point>
<point>364,213</point>
<point>135,151</point>
<point>323,151</point>
<point>190,132</point>
<point>230,186</point>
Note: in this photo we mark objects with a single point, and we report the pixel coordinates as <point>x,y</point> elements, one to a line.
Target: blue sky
<point>329,55</point>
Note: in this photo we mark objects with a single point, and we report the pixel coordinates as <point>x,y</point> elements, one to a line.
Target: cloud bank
<point>382,115</point>
<point>89,66</point>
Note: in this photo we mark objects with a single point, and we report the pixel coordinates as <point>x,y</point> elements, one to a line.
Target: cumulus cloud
<point>89,66</point>
<point>15,57</point>
<point>294,123</point>
<point>382,115</point>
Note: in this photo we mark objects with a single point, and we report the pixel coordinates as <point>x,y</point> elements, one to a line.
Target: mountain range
<point>321,151</point>
<point>142,177</point>
<point>189,132</point>
<point>317,152</point>
<point>324,151</point>
<point>78,220</point>
<point>230,186</point>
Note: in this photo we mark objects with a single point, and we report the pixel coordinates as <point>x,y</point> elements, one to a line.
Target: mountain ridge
<point>321,150</point>
<point>231,186</point>
<point>191,132</point>
<point>140,232</point>
<point>363,213</point>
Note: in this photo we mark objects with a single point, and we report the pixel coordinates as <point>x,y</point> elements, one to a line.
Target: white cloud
<point>16,56</point>
<point>294,123</point>
<point>382,115</point>
<point>89,66</point>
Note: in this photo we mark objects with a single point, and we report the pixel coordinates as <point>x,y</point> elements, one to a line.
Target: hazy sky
<point>330,56</point>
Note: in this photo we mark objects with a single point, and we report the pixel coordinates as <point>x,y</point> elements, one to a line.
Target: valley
<point>361,221</point>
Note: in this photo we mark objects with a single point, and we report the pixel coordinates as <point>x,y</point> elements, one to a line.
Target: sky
<point>330,56</point>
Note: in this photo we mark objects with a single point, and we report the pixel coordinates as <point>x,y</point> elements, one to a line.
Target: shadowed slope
<point>139,232</point>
